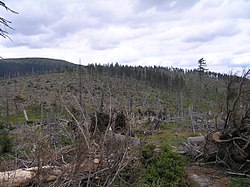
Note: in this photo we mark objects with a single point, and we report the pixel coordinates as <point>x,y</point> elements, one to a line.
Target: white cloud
<point>135,32</point>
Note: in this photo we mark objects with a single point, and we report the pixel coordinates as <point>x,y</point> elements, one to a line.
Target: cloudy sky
<point>134,32</point>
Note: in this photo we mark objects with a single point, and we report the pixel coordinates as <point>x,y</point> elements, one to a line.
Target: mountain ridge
<point>13,67</point>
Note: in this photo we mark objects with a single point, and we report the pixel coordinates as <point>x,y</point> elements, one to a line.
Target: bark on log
<point>195,146</point>
<point>216,136</point>
<point>21,177</point>
<point>197,140</point>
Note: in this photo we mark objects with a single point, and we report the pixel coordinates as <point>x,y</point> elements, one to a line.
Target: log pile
<point>231,149</point>
<point>91,160</point>
<point>94,167</point>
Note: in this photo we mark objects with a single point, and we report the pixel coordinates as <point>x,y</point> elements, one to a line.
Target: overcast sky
<point>134,32</point>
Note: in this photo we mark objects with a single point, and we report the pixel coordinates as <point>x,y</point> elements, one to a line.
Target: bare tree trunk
<point>191,117</point>
<point>25,116</point>
<point>101,102</point>
<point>7,98</point>
<point>16,110</point>
<point>42,112</point>
<point>130,105</point>
<point>7,107</point>
<point>80,85</point>
<point>182,114</point>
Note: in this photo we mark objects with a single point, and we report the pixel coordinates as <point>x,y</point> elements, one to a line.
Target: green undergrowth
<point>33,115</point>
<point>162,166</point>
<point>239,182</point>
<point>174,134</point>
<point>6,140</point>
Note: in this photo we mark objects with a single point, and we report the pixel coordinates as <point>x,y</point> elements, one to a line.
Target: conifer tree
<point>202,64</point>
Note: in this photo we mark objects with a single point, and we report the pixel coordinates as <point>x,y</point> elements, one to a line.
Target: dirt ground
<point>207,176</point>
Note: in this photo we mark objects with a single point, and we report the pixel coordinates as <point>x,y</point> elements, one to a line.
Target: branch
<point>120,167</point>
<point>240,90</point>
<point>238,174</point>
<point>5,22</point>
<point>77,124</point>
<point>7,8</point>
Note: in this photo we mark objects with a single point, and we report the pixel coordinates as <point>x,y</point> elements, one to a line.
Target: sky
<point>172,33</point>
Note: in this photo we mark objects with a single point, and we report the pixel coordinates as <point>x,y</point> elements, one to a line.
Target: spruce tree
<point>202,64</point>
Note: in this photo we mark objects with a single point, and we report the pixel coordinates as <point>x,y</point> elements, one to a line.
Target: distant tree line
<point>164,77</point>
<point>168,78</point>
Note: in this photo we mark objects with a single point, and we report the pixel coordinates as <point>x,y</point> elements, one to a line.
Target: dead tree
<point>4,22</point>
<point>155,124</point>
<point>230,144</point>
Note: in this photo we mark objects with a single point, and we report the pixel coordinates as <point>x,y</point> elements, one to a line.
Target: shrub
<point>164,168</point>
<point>239,182</point>
<point>6,142</point>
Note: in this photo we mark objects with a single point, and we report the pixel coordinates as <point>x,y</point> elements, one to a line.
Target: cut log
<point>18,177</point>
<point>219,137</point>
<point>195,146</point>
<point>197,140</point>
<point>216,136</point>
<point>21,177</point>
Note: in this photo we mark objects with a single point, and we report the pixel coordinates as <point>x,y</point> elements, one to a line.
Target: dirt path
<point>207,177</point>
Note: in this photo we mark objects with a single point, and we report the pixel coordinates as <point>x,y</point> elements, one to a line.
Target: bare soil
<point>207,176</point>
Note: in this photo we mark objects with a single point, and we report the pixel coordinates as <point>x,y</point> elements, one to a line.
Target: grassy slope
<point>51,89</point>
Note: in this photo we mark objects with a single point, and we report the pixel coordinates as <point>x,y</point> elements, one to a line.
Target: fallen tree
<point>90,159</point>
<point>24,176</point>
<point>88,167</point>
<point>229,144</point>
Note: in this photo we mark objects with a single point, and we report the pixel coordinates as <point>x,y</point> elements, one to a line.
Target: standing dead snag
<point>237,103</point>
<point>155,124</point>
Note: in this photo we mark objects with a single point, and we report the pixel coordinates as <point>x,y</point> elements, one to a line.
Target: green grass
<point>32,115</point>
<point>239,182</point>
<point>12,119</point>
<point>171,133</point>
<point>6,141</point>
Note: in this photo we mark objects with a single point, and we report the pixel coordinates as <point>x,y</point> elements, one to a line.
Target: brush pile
<point>229,143</point>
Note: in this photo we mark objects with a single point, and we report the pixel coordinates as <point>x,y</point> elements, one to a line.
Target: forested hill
<point>157,75</point>
<point>151,88</point>
<point>14,67</point>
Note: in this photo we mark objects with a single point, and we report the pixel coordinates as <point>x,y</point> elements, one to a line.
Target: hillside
<point>14,67</point>
<point>67,110</point>
<point>135,90</point>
